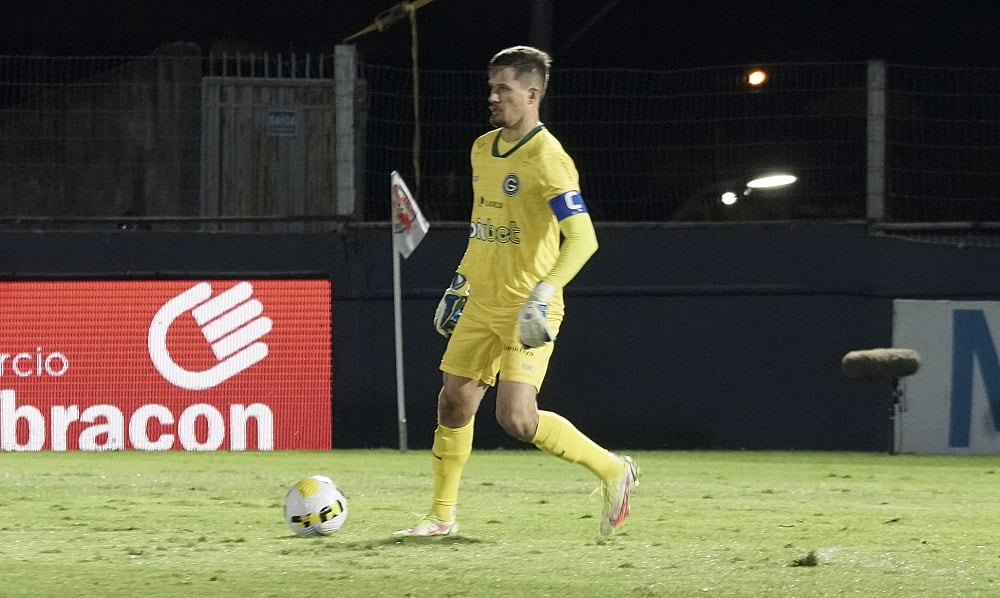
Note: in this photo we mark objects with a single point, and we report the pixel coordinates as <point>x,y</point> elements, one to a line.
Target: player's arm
<point>579,243</point>
<point>579,239</point>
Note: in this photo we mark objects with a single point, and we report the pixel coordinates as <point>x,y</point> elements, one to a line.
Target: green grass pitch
<point>747,524</point>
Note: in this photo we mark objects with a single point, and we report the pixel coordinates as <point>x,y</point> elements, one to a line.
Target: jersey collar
<point>525,139</point>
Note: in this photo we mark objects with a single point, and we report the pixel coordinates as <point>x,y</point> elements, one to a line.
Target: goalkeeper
<point>504,306</point>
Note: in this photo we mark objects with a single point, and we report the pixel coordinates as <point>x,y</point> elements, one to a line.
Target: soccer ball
<point>315,507</point>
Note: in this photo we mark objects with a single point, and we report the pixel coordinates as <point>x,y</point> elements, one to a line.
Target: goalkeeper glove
<point>532,324</point>
<point>450,307</point>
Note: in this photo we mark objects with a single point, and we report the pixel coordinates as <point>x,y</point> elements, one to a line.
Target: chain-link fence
<point>179,139</point>
<point>649,145</point>
<point>943,145</point>
<point>665,145</point>
<point>176,140</point>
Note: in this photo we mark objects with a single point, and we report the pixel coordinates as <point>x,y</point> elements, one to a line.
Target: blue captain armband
<point>567,204</point>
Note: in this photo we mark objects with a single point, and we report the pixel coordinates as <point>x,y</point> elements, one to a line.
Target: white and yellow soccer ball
<point>315,507</point>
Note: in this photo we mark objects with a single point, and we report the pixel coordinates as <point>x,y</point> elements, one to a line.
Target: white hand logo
<point>229,322</point>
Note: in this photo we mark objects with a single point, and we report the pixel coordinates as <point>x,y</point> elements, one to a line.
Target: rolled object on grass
<point>880,364</point>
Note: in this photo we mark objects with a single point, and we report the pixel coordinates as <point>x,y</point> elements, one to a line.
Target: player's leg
<point>458,402</point>
<point>469,365</point>
<point>519,416</point>
<point>522,372</point>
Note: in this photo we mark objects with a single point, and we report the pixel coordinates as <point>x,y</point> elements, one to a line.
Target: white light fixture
<point>728,198</point>
<point>772,181</point>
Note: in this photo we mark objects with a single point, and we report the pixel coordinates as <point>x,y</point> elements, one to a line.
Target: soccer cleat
<point>615,495</point>
<point>430,526</point>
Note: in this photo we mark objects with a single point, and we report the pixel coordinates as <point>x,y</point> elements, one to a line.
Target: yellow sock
<point>557,436</point>
<point>452,447</point>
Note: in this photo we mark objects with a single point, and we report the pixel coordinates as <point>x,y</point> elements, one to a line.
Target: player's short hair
<point>525,60</point>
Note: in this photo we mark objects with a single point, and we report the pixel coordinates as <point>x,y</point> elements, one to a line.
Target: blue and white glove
<point>532,323</point>
<point>450,307</point>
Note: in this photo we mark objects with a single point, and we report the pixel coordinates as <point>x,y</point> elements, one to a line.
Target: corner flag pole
<point>408,229</point>
<point>397,311</point>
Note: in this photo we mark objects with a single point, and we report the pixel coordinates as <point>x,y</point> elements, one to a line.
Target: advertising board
<point>165,365</point>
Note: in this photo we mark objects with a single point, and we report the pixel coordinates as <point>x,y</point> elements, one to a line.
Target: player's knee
<point>520,426</point>
<point>455,409</point>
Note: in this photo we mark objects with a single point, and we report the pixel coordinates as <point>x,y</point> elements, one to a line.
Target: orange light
<point>756,77</point>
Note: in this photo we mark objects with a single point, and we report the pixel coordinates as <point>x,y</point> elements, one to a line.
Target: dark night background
<point>463,34</point>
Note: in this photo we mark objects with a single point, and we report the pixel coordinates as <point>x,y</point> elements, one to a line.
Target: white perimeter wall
<point>952,404</point>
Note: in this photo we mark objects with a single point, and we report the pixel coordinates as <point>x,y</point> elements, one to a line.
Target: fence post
<point>875,180</point>
<point>345,78</point>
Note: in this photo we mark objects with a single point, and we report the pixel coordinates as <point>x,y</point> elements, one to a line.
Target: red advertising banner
<point>165,365</point>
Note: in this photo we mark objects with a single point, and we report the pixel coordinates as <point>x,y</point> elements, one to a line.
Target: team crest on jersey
<point>511,185</point>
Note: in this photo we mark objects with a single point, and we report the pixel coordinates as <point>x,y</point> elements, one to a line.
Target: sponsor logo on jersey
<point>490,204</point>
<point>491,233</point>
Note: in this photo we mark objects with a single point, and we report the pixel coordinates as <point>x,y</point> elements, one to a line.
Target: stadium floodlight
<point>728,194</point>
<point>772,181</point>
<point>769,181</point>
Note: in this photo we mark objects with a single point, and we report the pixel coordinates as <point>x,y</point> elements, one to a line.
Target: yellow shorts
<point>485,344</point>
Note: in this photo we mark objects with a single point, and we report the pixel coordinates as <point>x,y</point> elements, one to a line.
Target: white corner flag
<point>408,225</point>
<point>408,229</point>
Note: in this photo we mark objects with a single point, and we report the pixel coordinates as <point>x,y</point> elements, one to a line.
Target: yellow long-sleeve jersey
<point>525,196</point>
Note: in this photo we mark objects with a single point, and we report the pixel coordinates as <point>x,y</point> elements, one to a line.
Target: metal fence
<point>98,142</point>
<point>943,145</point>
<point>82,139</point>
<point>649,145</point>
<point>175,141</point>
<point>922,143</point>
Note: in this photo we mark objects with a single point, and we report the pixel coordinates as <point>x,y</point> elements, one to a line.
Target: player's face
<point>508,98</point>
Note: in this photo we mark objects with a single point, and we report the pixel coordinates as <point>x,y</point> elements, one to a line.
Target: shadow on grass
<point>317,544</point>
<point>413,541</point>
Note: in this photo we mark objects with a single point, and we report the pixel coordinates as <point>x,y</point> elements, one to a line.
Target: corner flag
<point>408,225</point>
<point>408,230</point>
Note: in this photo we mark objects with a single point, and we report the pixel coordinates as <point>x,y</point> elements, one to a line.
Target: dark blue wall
<point>675,337</point>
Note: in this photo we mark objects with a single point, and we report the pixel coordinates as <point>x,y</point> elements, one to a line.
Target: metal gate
<point>268,153</point>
